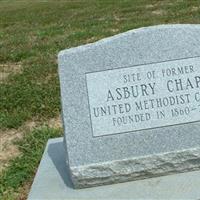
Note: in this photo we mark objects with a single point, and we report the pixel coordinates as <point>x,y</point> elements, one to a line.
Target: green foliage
<point>23,168</point>
<point>33,32</point>
<point>22,99</point>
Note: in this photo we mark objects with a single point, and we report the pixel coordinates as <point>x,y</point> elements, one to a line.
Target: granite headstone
<point>131,105</point>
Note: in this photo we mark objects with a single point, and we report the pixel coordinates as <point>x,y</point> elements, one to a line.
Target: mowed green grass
<point>23,167</point>
<point>31,35</point>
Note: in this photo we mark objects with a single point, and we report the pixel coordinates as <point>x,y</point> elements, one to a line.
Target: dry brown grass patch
<point>149,6</point>
<point>159,12</point>
<point>8,149</point>
<point>195,8</point>
<point>23,191</point>
<point>9,68</point>
<point>55,122</point>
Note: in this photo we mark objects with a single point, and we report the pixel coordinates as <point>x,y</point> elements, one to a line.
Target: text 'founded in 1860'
<point>143,97</point>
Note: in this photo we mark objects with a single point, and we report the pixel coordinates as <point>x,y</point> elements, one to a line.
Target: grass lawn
<point>31,35</point>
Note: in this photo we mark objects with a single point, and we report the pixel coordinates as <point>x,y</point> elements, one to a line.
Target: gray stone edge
<point>135,168</point>
<point>85,47</point>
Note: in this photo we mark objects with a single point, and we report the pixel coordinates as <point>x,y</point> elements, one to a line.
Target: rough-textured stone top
<point>110,158</point>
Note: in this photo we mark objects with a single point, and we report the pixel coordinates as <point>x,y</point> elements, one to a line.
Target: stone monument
<point>131,110</point>
<point>131,105</point>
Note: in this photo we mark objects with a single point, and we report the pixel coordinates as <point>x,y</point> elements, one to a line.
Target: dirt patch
<point>158,4</point>
<point>8,149</point>
<point>114,30</point>
<point>55,122</point>
<point>9,68</point>
<point>149,6</point>
<point>23,191</point>
<point>195,8</point>
<point>158,12</point>
<point>91,39</point>
<point>116,18</point>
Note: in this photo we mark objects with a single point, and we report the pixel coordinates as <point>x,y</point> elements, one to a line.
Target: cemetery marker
<point>131,105</point>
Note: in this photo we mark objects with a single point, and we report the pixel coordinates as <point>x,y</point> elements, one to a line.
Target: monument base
<point>52,182</point>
